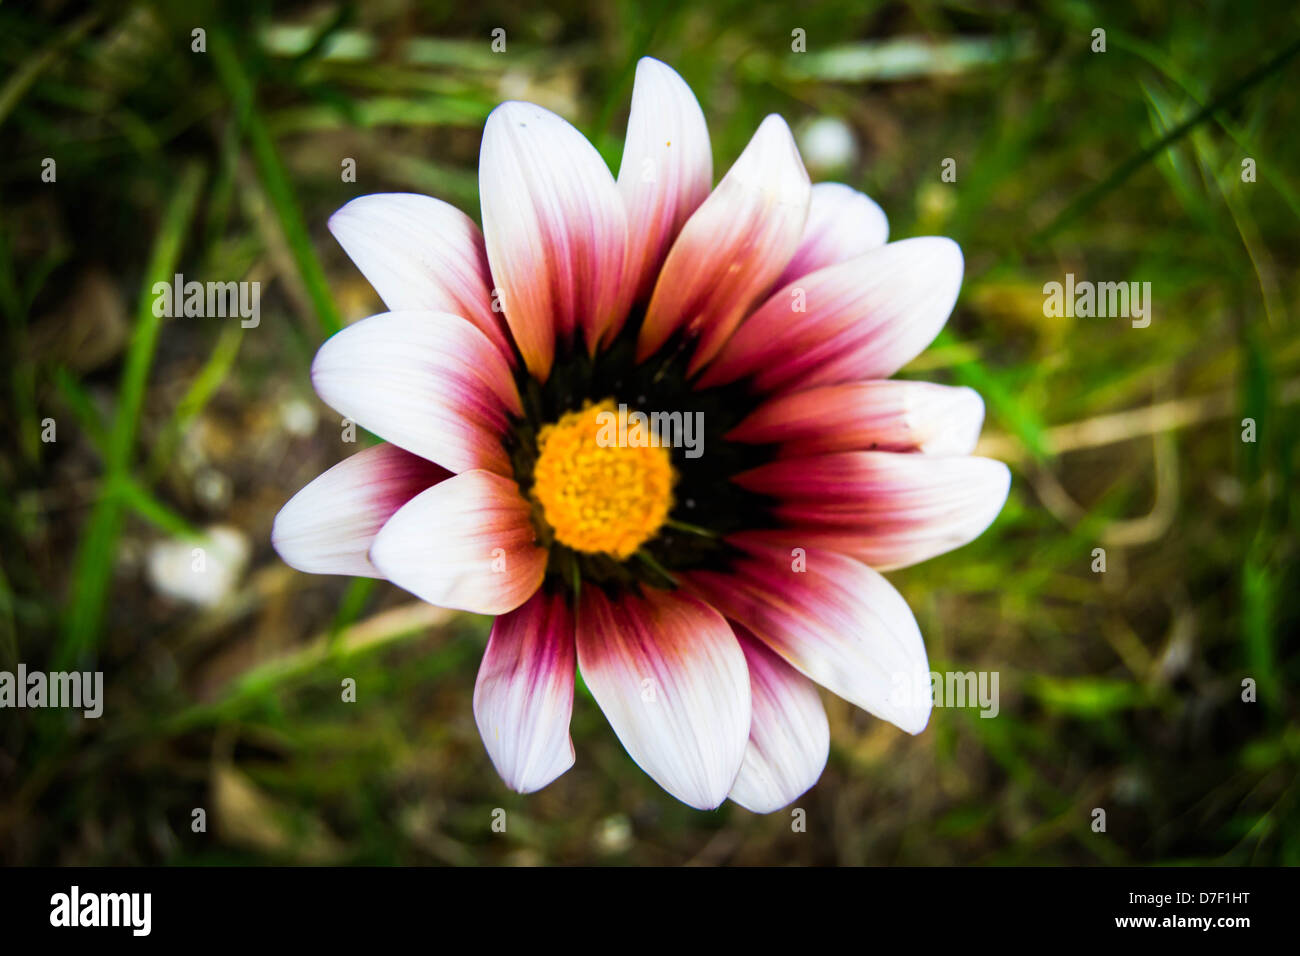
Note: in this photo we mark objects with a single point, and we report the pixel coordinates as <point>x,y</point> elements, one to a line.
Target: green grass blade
<point>95,555</point>
<point>275,180</point>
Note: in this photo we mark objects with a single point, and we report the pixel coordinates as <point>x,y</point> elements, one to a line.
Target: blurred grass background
<point>1119,690</point>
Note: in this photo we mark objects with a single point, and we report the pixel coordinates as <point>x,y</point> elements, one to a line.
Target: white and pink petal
<point>555,231</point>
<point>669,675</point>
<point>885,509</point>
<point>833,618</point>
<point>467,543</point>
<point>421,255</point>
<point>428,382</point>
<point>842,224</point>
<point>733,248</point>
<point>861,319</point>
<point>666,171</point>
<point>523,697</point>
<point>329,526</point>
<point>789,737</point>
<point>889,415</point>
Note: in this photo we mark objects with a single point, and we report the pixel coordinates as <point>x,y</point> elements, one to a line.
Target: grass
<point>94,562</point>
<point>1120,690</point>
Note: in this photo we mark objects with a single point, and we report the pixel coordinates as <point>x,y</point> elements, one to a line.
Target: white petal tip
<point>771,162</point>
<point>539,778</point>
<point>955,422</point>
<point>943,255</point>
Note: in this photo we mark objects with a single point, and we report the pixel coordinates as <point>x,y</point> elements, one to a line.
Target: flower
<point>702,598</point>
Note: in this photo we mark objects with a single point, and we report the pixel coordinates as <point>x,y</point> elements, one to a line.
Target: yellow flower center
<point>597,495</point>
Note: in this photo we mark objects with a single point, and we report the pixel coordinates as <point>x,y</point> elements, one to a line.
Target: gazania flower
<point>701,596</point>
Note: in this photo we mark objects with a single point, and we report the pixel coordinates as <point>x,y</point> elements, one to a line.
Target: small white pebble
<point>201,571</point>
<point>827,144</point>
<point>298,417</point>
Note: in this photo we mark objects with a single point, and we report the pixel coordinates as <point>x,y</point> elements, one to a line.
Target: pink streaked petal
<point>555,229</point>
<point>523,697</point>
<point>428,382</point>
<point>732,249</point>
<point>421,255</point>
<point>837,621</point>
<point>842,224</point>
<point>467,543</point>
<point>328,526</point>
<point>886,509</point>
<point>789,738</point>
<point>668,673</point>
<point>891,415</point>
<point>667,168</point>
<point>861,319</point>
